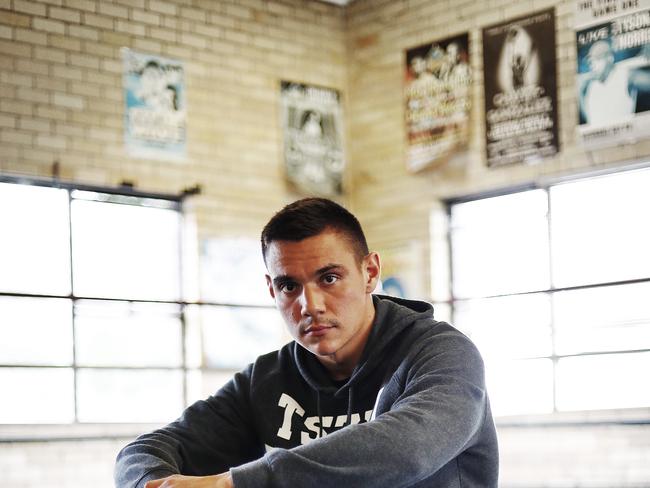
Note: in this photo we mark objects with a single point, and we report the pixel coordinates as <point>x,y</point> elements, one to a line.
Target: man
<point>609,92</point>
<point>373,392</point>
<point>604,92</point>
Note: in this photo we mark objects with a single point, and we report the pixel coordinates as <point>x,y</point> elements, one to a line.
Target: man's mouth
<point>317,331</point>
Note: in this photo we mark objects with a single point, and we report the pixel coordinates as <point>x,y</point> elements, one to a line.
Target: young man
<point>372,392</point>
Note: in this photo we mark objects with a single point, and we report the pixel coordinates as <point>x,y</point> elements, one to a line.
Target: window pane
<point>605,381</point>
<point>500,245</point>
<point>234,337</point>
<point>620,321</point>
<point>125,251</point>
<point>520,386</point>
<point>442,312</point>
<point>128,334</point>
<point>35,331</point>
<point>35,244</point>
<point>36,395</point>
<point>129,396</point>
<point>232,271</point>
<point>600,229</point>
<point>508,327</point>
<point>202,384</point>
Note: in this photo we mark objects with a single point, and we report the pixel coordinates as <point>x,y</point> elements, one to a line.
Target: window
<point>552,284</point>
<point>93,316</point>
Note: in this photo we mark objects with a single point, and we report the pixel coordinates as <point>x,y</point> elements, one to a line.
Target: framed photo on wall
<point>312,125</point>
<point>519,69</point>
<point>155,113</point>
<point>437,101</point>
<point>613,72</point>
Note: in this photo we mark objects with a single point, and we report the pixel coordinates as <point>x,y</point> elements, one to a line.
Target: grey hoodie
<point>414,413</point>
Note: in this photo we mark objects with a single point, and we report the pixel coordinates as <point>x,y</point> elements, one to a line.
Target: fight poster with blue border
<point>613,71</point>
<point>155,112</point>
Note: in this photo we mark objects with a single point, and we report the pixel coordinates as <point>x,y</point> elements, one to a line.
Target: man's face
<point>452,52</point>
<point>600,59</point>
<point>418,65</point>
<point>323,293</point>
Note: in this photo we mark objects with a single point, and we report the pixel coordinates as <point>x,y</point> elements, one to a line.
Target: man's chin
<point>323,349</point>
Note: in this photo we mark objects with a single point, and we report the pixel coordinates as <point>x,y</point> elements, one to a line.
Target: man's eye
<point>330,279</point>
<point>288,287</point>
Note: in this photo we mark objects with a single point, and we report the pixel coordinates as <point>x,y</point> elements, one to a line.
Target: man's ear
<point>269,283</point>
<point>371,270</point>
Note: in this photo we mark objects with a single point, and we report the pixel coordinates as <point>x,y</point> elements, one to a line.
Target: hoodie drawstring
<point>320,414</point>
<point>350,397</point>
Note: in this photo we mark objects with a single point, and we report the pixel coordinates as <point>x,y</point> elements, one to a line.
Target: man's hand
<point>222,480</point>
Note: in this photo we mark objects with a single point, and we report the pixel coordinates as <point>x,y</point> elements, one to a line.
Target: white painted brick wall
<point>61,92</point>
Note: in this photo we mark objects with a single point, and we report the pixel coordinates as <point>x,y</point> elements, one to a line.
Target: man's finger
<point>154,483</point>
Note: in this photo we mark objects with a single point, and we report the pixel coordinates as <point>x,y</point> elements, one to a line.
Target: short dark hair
<point>309,217</point>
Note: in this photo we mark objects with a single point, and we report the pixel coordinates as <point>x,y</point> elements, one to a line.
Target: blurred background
<point>144,144</point>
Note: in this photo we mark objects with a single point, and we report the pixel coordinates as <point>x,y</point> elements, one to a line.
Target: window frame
<point>613,416</point>
<point>77,429</point>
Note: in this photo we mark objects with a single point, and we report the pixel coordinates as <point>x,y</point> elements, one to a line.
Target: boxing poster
<point>613,71</point>
<point>312,123</point>
<point>154,95</point>
<point>520,90</point>
<point>437,101</point>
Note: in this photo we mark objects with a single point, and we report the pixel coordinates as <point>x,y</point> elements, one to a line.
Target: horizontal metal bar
<point>32,440</point>
<point>551,290</point>
<point>185,369</point>
<point>556,357</point>
<point>132,300</point>
<point>571,423</point>
<point>205,369</point>
<point>545,182</point>
<point>68,185</point>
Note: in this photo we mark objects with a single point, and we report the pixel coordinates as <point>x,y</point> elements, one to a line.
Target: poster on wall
<point>154,94</point>
<point>312,124</point>
<point>437,101</point>
<point>613,71</point>
<point>520,90</point>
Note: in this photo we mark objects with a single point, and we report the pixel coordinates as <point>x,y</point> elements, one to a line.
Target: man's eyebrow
<point>328,268</point>
<point>278,280</point>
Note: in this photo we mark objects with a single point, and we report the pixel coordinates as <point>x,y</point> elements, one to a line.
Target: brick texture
<point>62,100</point>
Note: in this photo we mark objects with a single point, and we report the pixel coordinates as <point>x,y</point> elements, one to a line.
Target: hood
<point>392,316</point>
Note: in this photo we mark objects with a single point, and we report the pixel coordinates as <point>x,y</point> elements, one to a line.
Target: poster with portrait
<point>154,95</point>
<point>437,101</point>
<point>613,71</point>
<point>312,123</point>
<point>520,90</point>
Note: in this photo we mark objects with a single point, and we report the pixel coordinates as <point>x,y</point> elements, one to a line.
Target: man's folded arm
<point>211,436</point>
<point>438,415</point>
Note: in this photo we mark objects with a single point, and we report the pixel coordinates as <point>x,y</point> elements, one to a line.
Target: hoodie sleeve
<point>210,437</point>
<point>441,408</point>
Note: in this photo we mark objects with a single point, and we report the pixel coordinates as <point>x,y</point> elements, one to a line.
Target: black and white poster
<point>520,90</point>
<point>312,122</point>
<point>613,71</point>
<point>437,101</point>
<point>154,95</point>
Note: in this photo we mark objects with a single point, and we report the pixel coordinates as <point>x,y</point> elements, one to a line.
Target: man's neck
<point>341,364</point>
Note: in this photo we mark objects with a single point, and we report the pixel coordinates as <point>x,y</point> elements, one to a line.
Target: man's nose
<point>312,302</point>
